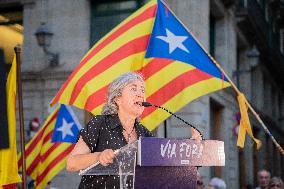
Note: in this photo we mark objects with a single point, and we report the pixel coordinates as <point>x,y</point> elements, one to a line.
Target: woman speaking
<point>116,127</point>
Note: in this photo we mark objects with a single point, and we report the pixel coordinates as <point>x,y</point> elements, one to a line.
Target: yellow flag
<point>245,124</point>
<point>8,157</point>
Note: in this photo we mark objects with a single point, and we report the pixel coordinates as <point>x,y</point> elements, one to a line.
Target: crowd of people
<point>264,181</point>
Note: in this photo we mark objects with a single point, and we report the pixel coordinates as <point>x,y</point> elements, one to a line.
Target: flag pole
<point>233,85</point>
<point>17,50</point>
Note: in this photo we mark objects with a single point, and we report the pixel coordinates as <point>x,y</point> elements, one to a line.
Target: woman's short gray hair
<point>115,90</point>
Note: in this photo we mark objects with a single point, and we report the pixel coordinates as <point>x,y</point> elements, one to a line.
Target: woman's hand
<point>195,135</point>
<point>106,157</point>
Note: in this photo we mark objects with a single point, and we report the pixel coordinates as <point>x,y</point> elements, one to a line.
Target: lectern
<point>162,162</point>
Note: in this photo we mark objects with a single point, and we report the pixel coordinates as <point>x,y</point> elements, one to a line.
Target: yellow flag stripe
<point>181,99</point>
<point>97,110</point>
<point>36,149</point>
<point>44,127</point>
<point>135,32</point>
<point>108,76</point>
<point>153,83</point>
<point>57,148</point>
<point>138,12</point>
<point>45,168</point>
<point>166,74</point>
<point>52,173</point>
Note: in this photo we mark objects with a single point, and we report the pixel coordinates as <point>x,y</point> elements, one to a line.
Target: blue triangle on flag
<point>171,40</point>
<point>66,127</point>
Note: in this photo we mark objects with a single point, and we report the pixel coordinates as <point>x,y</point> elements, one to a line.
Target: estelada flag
<point>47,152</point>
<point>154,42</point>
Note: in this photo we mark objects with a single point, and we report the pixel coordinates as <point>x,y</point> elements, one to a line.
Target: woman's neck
<point>126,121</point>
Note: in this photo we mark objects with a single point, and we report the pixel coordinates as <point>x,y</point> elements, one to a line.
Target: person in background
<point>216,183</point>
<point>116,127</point>
<point>31,184</point>
<point>276,183</point>
<point>48,185</point>
<point>33,127</point>
<point>263,178</point>
<point>200,184</point>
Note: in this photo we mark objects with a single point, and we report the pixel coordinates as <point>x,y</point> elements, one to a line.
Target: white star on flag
<point>66,128</point>
<point>174,41</point>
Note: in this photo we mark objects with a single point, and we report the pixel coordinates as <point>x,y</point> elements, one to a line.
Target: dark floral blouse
<point>106,132</point>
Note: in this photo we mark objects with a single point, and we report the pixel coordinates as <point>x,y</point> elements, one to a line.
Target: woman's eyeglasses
<point>277,185</point>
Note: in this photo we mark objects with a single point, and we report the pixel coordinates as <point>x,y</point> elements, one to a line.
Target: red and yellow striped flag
<point>170,82</point>
<point>45,159</point>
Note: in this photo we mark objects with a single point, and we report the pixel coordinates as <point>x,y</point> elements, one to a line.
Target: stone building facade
<point>228,29</point>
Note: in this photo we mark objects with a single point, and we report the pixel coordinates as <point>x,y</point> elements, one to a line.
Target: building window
<point>106,14</point>
<point>267,96</point>
<point>267,153</point>
<point>281,41</point>
<point>281,109</point>
<point>256,156</point>
<point>267,13</point>
<point>212,31</point>
<point>274,101</point>
<point>216,119</point>
<point>257,88</point>
<point>281,163</point>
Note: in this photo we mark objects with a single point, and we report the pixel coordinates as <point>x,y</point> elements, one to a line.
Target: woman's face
<point>130,101</point>
<point>276,185</point>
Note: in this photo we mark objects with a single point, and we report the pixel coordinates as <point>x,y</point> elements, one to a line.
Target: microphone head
<point>146,104</point>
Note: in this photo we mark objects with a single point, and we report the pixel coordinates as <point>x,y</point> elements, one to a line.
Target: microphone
<point>148,104</point>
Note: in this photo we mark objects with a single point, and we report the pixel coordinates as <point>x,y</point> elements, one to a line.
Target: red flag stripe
<point>99,97</point>
<point>96,99</point>
<point>33,165</point>
<point>39,136</point>
<point>36,140</point>
<point>47,141</point>
<point>37,159</point>
<point>56,160</point>
<point>154,66</point>
<point>48,152</point>
<point>9,186</point>
<point>147,14</point>
<point>47,138</point>
<point>41,158</point>
<point>174,87</point>
<point>132,47</point>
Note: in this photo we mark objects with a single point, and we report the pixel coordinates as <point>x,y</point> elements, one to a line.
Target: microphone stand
<point>147,104</point>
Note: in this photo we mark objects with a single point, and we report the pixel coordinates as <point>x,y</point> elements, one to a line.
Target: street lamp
<point>44,36</point>
<point>253,60</point>
<point>253,55</point>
